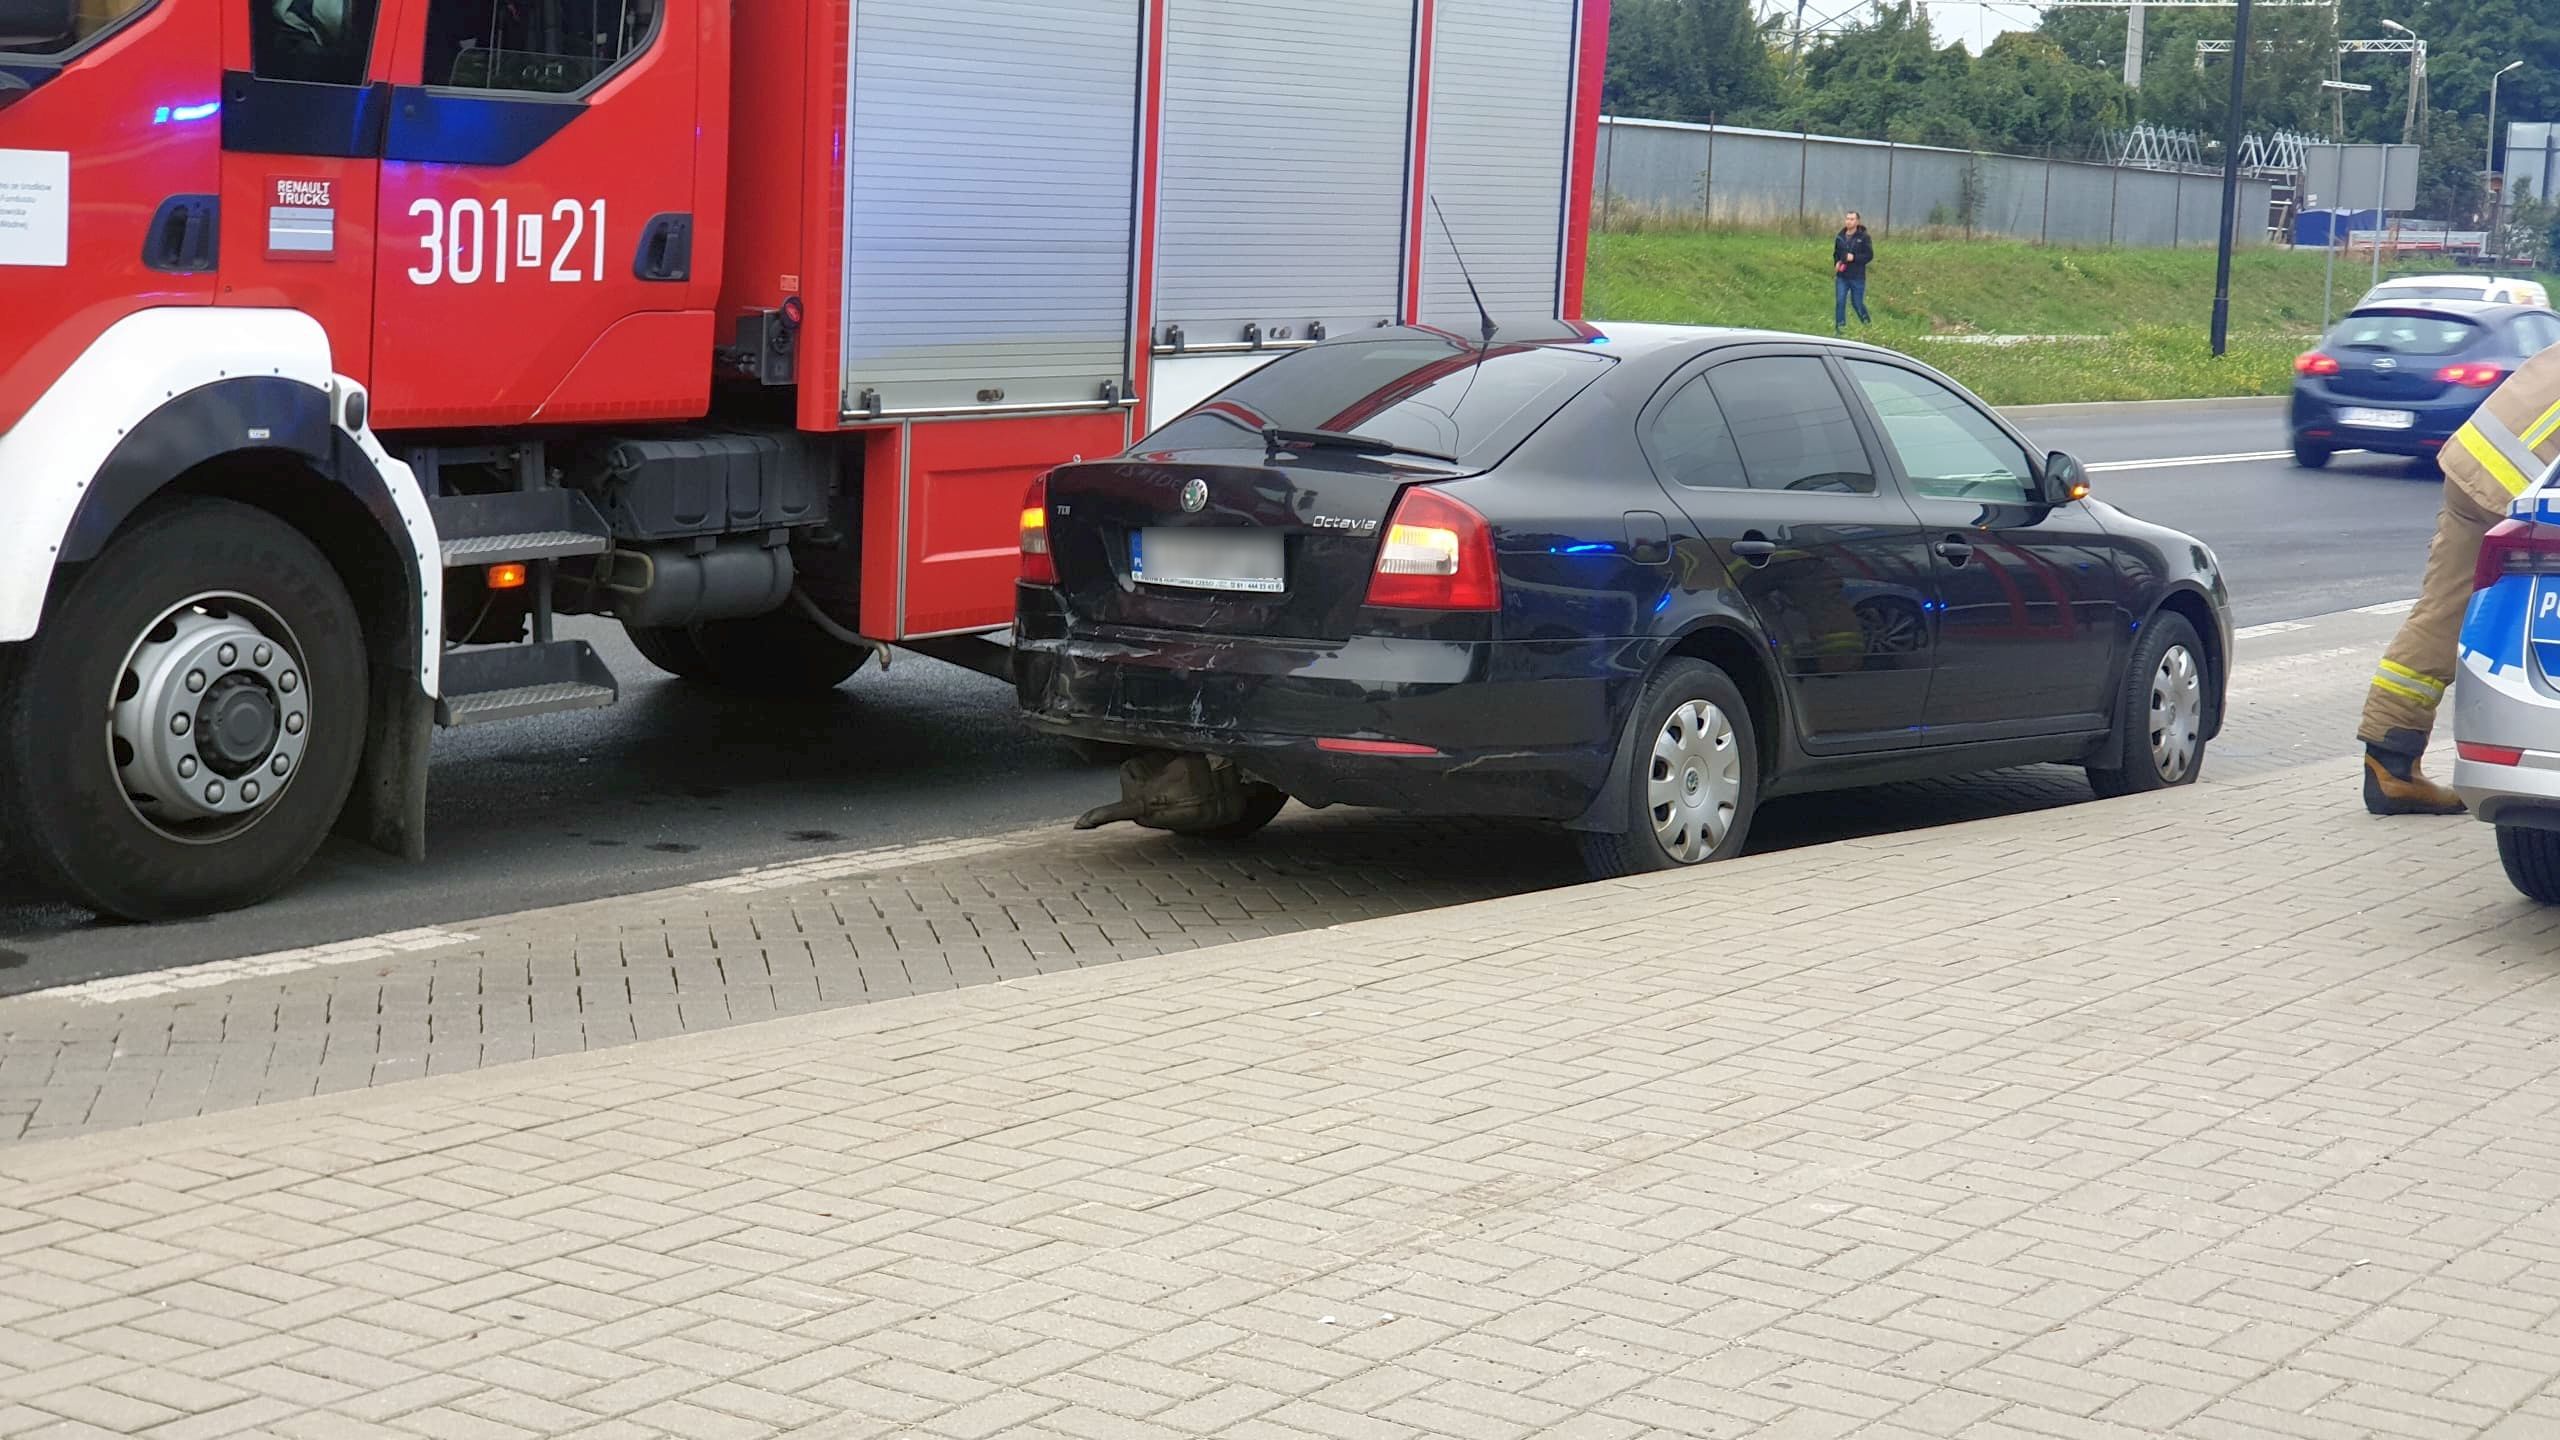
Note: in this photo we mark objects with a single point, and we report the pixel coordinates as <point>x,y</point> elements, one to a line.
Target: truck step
<point>518,525</point>
<point>509,682</point>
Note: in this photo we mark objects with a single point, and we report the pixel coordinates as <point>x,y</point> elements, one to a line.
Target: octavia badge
<point>2386,363</point>
<point>1195,497</point>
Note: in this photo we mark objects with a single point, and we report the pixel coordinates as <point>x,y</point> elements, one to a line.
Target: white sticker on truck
<point>35,207</point>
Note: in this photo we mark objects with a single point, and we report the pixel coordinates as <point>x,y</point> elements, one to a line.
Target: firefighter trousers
<point>2400,708</point>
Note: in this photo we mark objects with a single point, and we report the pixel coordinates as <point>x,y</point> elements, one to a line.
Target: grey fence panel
<point>1754,178</point>
<point>1733,175</point>
<point>2012,196</point>
<point>1928,187</point>
<point>2146,208</point>
<point>1845,177</point>
<point>2081,207</point>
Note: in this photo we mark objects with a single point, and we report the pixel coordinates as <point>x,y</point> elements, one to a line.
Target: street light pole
<point>2497,184</point>
<point>2230,181</point>
<point>2417,52</point>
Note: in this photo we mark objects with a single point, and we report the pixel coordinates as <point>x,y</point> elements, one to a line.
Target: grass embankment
<point>2135,321</point>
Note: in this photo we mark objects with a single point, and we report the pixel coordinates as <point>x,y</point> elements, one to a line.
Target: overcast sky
<point>1972,21</point>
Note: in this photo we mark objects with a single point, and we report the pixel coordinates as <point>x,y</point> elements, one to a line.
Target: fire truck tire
<point>186,726</point>
<point>776,655</point>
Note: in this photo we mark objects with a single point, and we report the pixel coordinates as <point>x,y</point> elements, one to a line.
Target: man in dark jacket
<point>1852,250</point>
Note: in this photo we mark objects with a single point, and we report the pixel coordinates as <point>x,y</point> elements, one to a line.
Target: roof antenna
<point>1472,294</point>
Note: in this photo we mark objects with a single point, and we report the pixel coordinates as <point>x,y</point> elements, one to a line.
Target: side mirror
<point>35,22</point>
<point>2065,478</point>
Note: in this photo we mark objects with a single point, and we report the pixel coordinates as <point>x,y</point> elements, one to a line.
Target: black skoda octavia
<point>1630,579</point>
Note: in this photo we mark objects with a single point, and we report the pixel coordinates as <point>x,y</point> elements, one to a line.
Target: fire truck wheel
<point>778,655</point>
<point>185,727</point>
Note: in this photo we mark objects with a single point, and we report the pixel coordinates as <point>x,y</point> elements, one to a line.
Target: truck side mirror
<point>2065,478</point>
<point>35,22</point>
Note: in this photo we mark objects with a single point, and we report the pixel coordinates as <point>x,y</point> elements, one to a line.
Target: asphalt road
<point>674,785</point>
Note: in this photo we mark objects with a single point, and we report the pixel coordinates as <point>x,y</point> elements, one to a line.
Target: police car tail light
<point>1039,567</point>
<point>1438,555</point>
<point>2477,377</point>
<point>2516,547</point>
<point>2312,362</point>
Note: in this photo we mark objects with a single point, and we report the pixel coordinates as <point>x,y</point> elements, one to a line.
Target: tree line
<point>2058,89</point>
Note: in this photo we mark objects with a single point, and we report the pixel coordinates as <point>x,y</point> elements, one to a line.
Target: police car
<point>2507,702</point>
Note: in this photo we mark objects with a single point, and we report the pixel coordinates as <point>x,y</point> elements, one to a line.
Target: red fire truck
<point>346,344</point>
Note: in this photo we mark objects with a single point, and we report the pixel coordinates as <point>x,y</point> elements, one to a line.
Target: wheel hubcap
<point>2177,713</point>
<point>1694,788</point>
<point>210,717</point>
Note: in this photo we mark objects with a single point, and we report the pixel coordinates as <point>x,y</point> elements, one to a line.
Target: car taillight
<point>2489,754</point>
<point>1438,555</point>
<point>2312,362</point>
<point>1039,567</point>
<point>2478,377</point>
<point>2516,547</point>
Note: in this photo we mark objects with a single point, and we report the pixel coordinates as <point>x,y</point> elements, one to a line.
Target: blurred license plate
<point>2364,419</point>
<point>1208,559</point>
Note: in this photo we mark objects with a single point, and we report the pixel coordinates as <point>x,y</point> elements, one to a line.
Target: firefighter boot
<point>2394,785</point>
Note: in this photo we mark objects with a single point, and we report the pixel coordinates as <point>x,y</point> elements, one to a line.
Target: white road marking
<point>855,862</point>
<point>149,984</point>
<point>2272,627</point>
<point>2109,467</point>
<point>2389,607</point>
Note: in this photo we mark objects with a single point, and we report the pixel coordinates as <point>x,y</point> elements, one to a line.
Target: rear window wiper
<point>1275,439</point>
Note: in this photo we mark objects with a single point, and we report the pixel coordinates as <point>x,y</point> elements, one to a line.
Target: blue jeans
<point>1848,290</point>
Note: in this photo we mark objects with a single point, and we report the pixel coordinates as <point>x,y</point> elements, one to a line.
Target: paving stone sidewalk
<point>2222,1113</point>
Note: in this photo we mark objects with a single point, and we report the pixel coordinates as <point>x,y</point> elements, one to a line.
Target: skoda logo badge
<point>2386,363</point>
<point>1195,497</point>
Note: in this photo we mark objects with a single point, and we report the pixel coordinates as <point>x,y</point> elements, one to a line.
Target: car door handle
<point>1755,548</point>
<point>1954,551</point>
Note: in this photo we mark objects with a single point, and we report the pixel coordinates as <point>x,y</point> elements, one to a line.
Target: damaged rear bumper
<point>1508,728</point>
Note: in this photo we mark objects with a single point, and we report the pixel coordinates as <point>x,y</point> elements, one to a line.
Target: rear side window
<point>55,29</point>
<point>1791,427</point>
<point>2537,333</point>
<point>536,47</point>
<point>1694,444</point>
<point>1435,397</point>
<point>2405,334</point>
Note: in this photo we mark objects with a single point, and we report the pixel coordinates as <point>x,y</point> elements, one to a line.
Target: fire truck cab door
<point>539,224</point>
<point>303,91</point>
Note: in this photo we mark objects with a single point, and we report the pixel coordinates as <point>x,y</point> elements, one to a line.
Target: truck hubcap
<point>210,717</point>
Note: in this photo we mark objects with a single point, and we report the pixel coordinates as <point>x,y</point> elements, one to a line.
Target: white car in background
<point>2495,289</point>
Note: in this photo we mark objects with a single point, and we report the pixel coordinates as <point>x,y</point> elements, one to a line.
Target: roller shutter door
<point>1501,124</point>
<point>1287,126</point>
<point>990,201</point>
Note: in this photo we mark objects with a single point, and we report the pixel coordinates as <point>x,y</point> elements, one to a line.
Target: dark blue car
<point>1628,578</point>
<point>2400,378</point>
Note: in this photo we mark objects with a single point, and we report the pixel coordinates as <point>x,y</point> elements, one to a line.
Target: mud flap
<point>1184,793</point>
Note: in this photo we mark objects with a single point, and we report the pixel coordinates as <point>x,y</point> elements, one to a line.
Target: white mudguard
<point>48,459</point>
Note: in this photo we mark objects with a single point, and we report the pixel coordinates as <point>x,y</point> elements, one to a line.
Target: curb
<point>2094,409</point>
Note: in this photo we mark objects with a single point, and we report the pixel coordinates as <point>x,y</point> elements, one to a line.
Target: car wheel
<point>777,655</point>
<point>2532,861</point>
<point>1695,783</point>
<point>2311,457</point>
<point>2163,708</point>
<point>184,731</point>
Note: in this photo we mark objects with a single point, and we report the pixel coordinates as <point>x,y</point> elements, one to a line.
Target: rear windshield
<point>52,29</point>
<point>2404,334</point>
<point>2429,292</point>
<point>1438,397</point>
